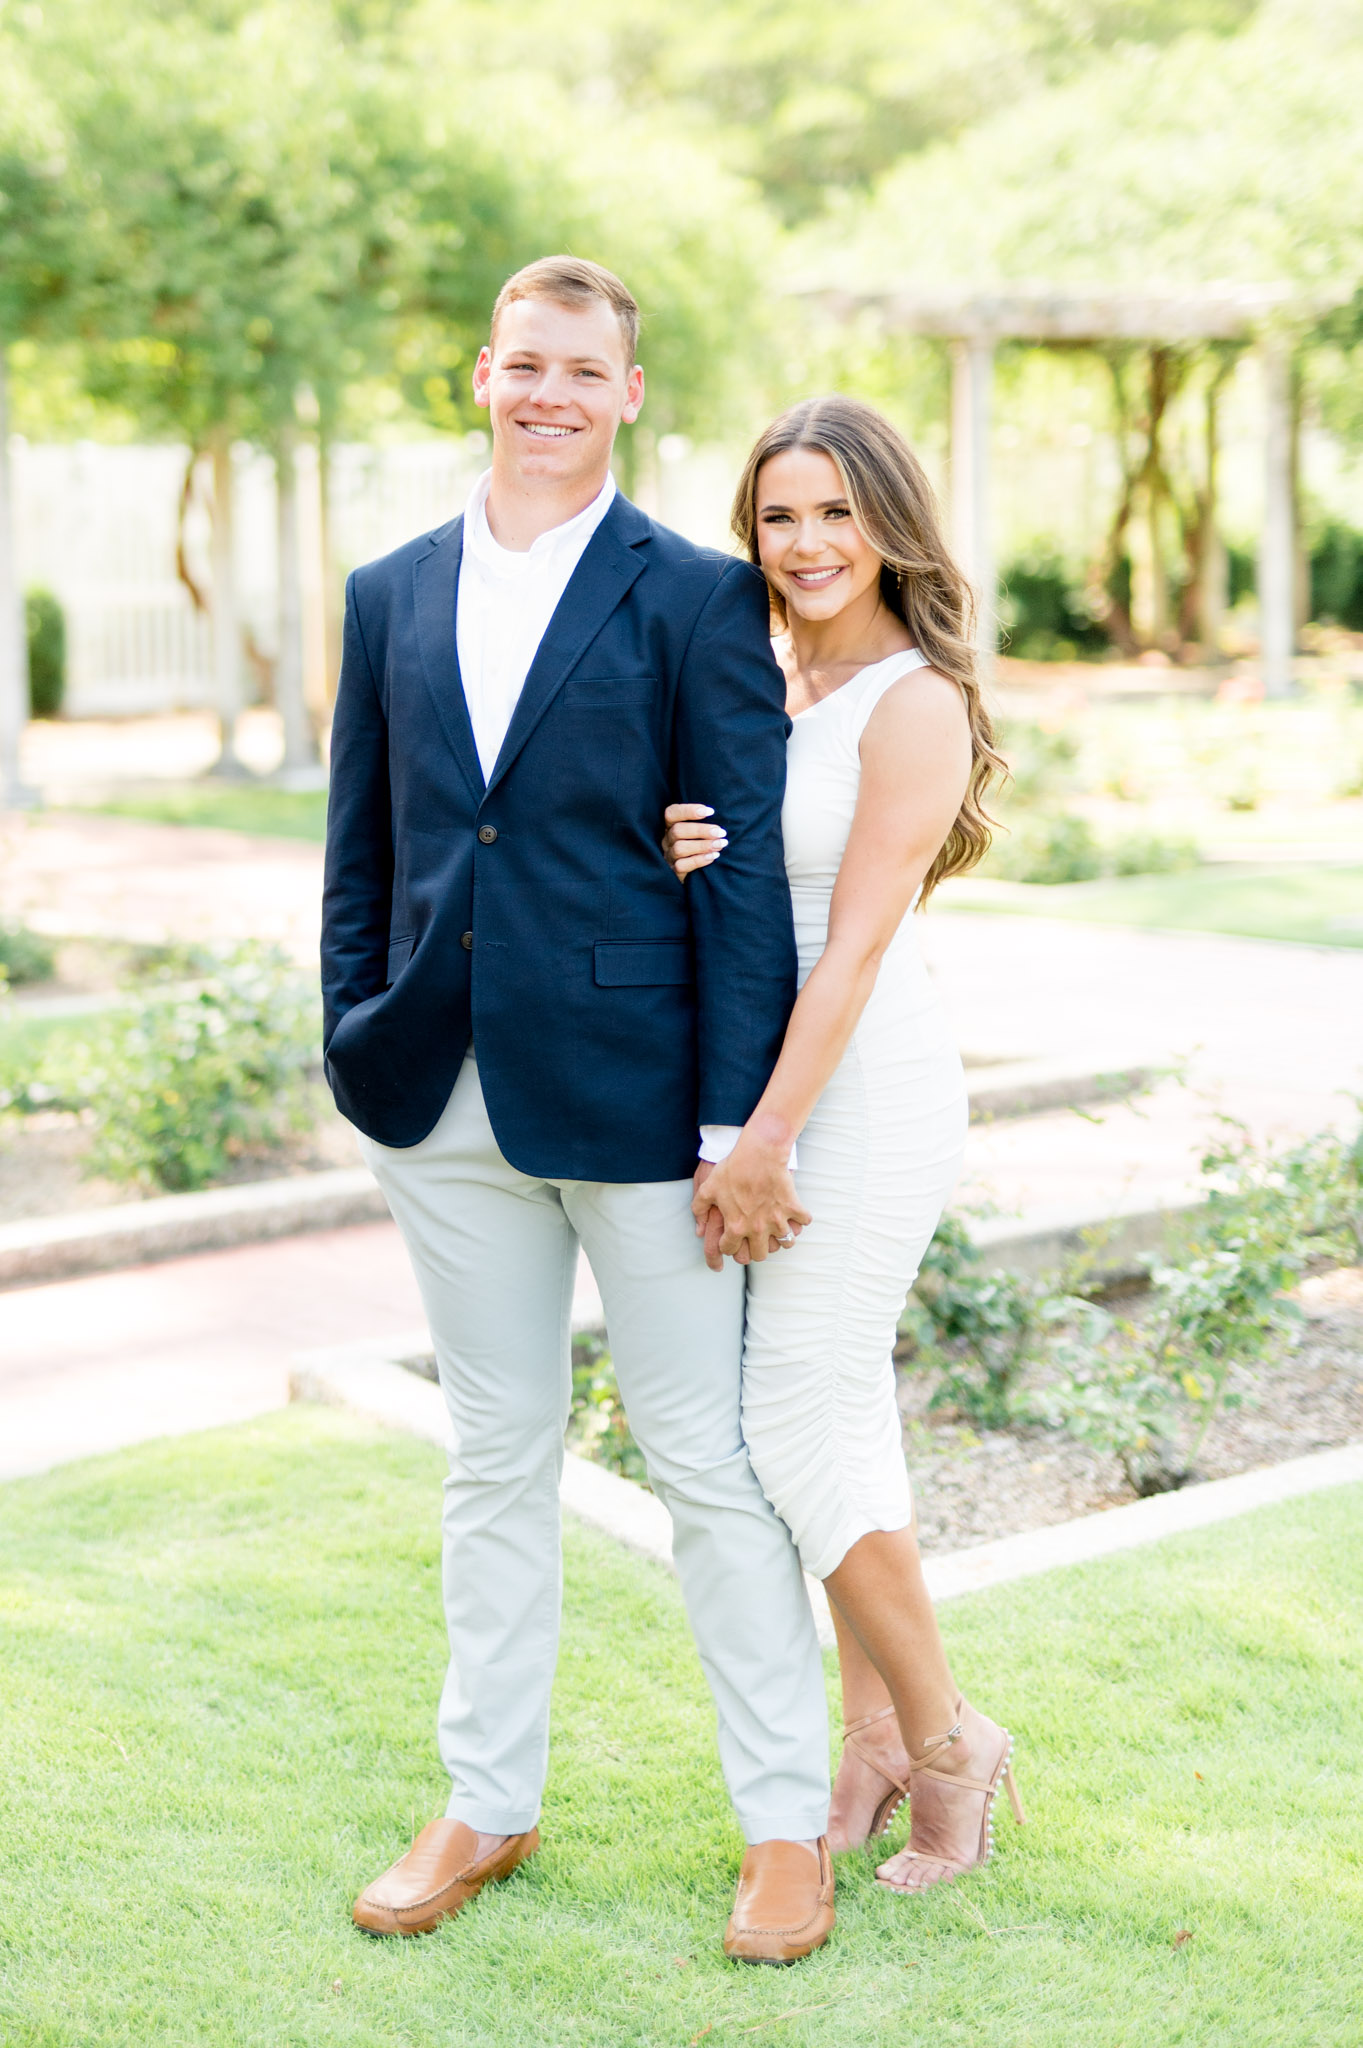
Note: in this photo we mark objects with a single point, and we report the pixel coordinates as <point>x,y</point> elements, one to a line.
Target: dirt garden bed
<point>972,1486</point>
<point>43,1162</point>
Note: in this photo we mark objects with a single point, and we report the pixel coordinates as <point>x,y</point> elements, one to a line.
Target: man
<point>528,1021</point>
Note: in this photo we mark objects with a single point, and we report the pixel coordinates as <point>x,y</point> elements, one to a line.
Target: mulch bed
<point>974,1486</point>
<point>43,1163</point>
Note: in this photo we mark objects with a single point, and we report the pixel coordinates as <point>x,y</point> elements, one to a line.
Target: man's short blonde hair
<point>571,281</point>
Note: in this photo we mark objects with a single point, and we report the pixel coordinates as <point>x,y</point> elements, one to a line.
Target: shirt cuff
<point>717,1141</point>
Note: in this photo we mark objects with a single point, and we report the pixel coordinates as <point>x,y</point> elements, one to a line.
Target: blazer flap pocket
<point>608,693</point>
<point>643,963</point>
<point>399,953</point>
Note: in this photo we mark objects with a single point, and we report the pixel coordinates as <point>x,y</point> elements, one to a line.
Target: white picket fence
<point>97,527</point>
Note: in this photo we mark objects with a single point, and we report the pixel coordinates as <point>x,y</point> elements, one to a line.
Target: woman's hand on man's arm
<point>688,842</point>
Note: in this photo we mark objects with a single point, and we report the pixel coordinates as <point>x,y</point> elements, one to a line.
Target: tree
<point>258,234</point>
<point>53,256</point>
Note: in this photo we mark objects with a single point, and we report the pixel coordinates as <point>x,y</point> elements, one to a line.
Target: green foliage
<point>1105,178</point>
<point>1041,759</point>
<point>1242,572</point>
<point>977,1330</point>
<point>1144,1387</point>
<point>1150,853</point>
<point>1043,614</point>
<point>182,1085</point>
<point>45,622</point>
<point>598,1427</point>
<point>1148,1388</point>
<point>25,956</point>
<point>1045,843</point>
<point>1049,847</point>
<point>1337,576</point>
<point>1103,1390</point>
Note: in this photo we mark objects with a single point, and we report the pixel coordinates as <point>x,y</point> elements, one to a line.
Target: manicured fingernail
<point>706,810</point>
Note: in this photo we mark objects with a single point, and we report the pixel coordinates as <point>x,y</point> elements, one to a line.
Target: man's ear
<point>634,396</point>
<point>482,370</point>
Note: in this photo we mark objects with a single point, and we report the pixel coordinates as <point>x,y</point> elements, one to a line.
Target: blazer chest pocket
<point>643,963</point>
<point>607,693</point>
<point>399,953</point>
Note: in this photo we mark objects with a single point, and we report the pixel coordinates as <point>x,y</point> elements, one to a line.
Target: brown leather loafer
<point>439,1874</point>
<point>784,1907</point>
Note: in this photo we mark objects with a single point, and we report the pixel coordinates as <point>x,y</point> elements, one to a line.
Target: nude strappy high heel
<point>899,1787</point>
<point>986,1789</point>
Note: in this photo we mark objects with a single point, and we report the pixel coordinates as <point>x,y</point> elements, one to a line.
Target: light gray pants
<point>495,1253</point>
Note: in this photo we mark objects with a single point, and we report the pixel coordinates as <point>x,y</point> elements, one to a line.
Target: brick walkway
<point>1270,1034</point>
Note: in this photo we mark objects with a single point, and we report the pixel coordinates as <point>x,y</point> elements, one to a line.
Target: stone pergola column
<point>1277,541</point>
<point>972,384</point>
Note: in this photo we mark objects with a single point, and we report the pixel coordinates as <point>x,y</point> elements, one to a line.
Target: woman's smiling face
<point>812,552</point>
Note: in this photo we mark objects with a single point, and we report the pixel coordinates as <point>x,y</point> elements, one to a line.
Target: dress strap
<point>878,681</point>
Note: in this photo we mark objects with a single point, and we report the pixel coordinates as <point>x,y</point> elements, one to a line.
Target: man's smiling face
<point>556,383</point>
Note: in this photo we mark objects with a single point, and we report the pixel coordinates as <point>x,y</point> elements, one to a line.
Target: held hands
<point>688,843</point>
<point>746,1206</point>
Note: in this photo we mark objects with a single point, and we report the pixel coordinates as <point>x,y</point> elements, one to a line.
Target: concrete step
<point>169,1226</point>
<point>1025,1087</point>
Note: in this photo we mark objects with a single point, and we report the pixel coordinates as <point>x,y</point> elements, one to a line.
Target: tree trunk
<point>227,649</point>
<point>13,637</point>
<point>1111,609</point>
<point>300,750</point>
<point>1202,603</point>
<point>1163,381</point>
<point>333,593</point>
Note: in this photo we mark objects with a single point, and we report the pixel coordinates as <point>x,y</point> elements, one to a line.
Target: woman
<point>890,753</point>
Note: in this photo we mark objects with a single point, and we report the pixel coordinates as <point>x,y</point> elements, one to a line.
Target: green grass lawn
<point>236,806</point>
<point>216,1704</point>
<point>26,1040</point>
<point>1318,906</point>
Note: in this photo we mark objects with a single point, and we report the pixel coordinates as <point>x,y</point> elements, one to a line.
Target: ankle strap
<point>855,1727</point>
<point>934,1745</point>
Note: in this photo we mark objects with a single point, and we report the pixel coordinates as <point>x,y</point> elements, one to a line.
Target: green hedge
<point>46,624</point>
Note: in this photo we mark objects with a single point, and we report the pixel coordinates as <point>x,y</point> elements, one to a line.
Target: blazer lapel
<point>435,591</point>
<point>607,569</point>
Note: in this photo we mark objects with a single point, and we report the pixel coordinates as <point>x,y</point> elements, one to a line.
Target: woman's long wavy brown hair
<point>893,505</point>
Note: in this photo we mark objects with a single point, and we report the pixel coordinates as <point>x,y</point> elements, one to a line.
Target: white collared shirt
<point>505,604</point>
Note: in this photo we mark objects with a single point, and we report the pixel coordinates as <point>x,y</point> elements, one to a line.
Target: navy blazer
<point>612,1009</point>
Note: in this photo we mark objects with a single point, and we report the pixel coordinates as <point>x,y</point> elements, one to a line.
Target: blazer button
<point>487,833</point>
<point>467,942</point>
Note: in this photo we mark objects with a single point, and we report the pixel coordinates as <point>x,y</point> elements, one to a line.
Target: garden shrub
<point>597,1424</point>
<point>46,624</point>
<point>976,1330</point>
<point>1141,1388</point>
<point>1337,576</point>
<point>1041,841</point>
<point>1144,1387</point>
<point>1049,848</point>
<point>1148,853</point>
<point>182,1085</point>
<point>1044,614</point>
<point>25,956</point>
<point>1042,760</point>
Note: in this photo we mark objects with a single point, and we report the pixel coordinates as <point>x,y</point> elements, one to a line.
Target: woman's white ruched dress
<point>877,1162</point>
